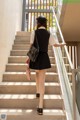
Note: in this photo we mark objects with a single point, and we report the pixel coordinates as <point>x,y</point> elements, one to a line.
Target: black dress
<point>42,61</point>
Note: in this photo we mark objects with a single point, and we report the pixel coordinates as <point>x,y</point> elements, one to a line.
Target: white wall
<point>10,22</point>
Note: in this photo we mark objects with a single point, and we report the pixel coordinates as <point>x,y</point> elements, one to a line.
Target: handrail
<point>71,65</point>
<point>59,7</point>
<point>64,81</point>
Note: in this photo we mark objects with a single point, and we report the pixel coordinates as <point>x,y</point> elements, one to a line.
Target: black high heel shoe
<point>37,95</point>
<point>40,111</point>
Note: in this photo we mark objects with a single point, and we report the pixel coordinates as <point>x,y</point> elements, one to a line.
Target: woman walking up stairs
<point>42,63</point>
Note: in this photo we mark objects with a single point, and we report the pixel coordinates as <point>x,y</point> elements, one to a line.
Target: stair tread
<point>20,45</point>
<point>47,73</point>
<point>25,56</point>
<point>21,114</point>
<point>22,59</point>
<point>31,111</point>
<point>22,64</point>
<point>30,96</point>
<point>27,51</point>
<point>27,83</point>
<point>19,50</point>
<point>28,88</point>
<point>23,33</point>
<point>26,64</point>
<point>21,77</point>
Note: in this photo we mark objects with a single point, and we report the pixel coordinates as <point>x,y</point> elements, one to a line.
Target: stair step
<point>22,59</point>
<point>31,114</point>
<point>18,53</point>
<point>29,101</point>
<point>21,77</point>
<point>18,95</point>
<point>27,88</point>
<point>22,41</point>
<point>22,67</point>
<point>22,38</point>
<point>24,53</point>
<point>24,47</point>
<point>23,33</point>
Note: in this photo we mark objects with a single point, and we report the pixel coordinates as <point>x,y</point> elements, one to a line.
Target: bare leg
<point>37,81</point>
<point>41,79</point>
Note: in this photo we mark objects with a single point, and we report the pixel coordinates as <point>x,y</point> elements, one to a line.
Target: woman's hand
<point>59,44</point>
<point>63,44</point>
<point>28,74</point>
<point>28,69</point>
<point>27,60</point>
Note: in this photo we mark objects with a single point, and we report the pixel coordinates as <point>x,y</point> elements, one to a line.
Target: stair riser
<point>22,38</point>
<point>24,47</point>
<point>24,53</point>
<point>36,117</point>
<point>26,38</point>
<point>22,68</point>
<point>23,60</point>
<point>23,78</point>
<point>26,43</point>
<point>14,68</point>
<point>7,89</point>
<point>22,42</point>
<point>23,33</point>
<point>30,103</point>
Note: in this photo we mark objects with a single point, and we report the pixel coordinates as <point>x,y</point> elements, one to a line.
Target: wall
<point>70,22</point>
<point>70,25</point>
<point>10,22</point>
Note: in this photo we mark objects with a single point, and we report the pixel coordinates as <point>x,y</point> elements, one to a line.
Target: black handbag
<point>33,51</point>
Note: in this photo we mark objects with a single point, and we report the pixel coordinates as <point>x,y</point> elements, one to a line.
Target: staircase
<point>17,94</point>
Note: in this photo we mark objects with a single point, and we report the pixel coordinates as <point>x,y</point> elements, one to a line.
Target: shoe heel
<point>37,95</point>
<point>40,111</point>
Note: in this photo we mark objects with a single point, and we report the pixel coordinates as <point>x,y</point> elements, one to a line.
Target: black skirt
<point>42,62</point>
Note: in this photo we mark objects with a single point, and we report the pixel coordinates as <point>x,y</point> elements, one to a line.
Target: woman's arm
<point>31,42</point>
<point>59,44</point>
<point>53,42</point>
<point>27,60</point>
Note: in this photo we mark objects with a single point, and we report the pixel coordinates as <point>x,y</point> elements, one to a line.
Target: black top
<point>43,39</point>
<point>42,61</point>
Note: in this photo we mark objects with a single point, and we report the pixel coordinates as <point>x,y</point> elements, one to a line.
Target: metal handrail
<point>59,7</point>
<point>71,65</point>
<point>64,81</point>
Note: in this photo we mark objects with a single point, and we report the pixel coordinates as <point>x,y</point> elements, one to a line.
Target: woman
<point>42,62</point>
